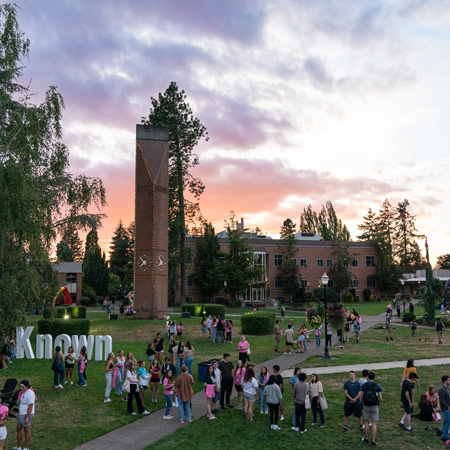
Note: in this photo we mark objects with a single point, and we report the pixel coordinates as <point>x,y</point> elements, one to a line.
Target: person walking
<point>27,399</point>
<point>238,375</point>
<point>407,370</point>
<point>273,397</point>
<point>243,349</point>
<point>69,363</point>
<point>226,382</point>
<point>371,397</point>
<point>120,365</point>
<point>440,328</point>
<point>411,307</point>
<point>414,328</point>
<point>282,312</point>
<point>184,392</point>
<point>388,327</point>
<point>352,405</point>
<point>168,384</point>
<point>289,336</point>
<point>399,305</point>
<point>58,368</point>
<point>444,398</point>
<point>316,393</point>
<point>329,335</point>
<point>250,387</point>
<point>301,391</point>
<point>277,335</point>
<point>407,399</point>
<point>134,390</point>
<point>356,330</point>
<point>109,369</point>
<point>189,356</point>
<point>317,333</point>
<point>263,378</point>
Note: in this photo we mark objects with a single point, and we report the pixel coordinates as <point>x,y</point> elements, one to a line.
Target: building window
<point>355,283</point>
<point>279,282</point>
<point>71,278</point>
<point>354,263</point>
<point>280,299</point>
<point>370,261</point>
<point>329,262</point>
<point>278,259</point>
<point>190,281</point>
<point>320,262</point>
<point>303,262</point>
<point>294,260</point>
<point>305,284</point>
<point>189,299</point>
<point>371,281</point>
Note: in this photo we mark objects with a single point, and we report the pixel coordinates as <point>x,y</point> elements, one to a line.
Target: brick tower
<point>151,218</point>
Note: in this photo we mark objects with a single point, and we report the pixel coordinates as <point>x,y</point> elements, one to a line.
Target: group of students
<point>63,366</point>
<point>219,330</point>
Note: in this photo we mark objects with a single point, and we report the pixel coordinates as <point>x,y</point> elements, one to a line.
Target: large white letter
<point>64,341</point>
<point>41,341</point>
<point>23,343</point>
<point>98,346</point>
<point>78,342</point>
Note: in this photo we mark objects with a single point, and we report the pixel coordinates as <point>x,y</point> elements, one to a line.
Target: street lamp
<point>325,280</point>
<point>403,294</point>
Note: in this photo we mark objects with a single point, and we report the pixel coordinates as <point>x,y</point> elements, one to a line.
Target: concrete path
<point>150,429</point>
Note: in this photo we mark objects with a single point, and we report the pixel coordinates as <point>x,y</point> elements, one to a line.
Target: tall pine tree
<point>120,251</point>
<point>185,131</point>
<point>289,268</point>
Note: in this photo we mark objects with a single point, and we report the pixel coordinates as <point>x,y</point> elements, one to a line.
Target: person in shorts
<point>26,414</point>
<point>439,327</point>
<point>289,334</point>
<point>407,400</point>
<point>388,327</point>
<point>159,348</point>
<point>371,398</point>
<point>352,405</point>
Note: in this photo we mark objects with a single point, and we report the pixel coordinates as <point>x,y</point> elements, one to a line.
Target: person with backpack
<point>371,398</point>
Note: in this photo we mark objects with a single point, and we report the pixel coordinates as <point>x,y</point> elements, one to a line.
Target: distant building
<point>70,274</point>
<point>313,257</point>
<point>413,282</point>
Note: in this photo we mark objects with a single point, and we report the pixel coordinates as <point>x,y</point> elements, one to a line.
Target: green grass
<point>231,430</point>
<point>375,308</point>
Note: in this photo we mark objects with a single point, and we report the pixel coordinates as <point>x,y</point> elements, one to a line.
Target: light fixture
<point>325,279</point>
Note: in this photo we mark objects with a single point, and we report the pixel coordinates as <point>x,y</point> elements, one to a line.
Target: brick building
<point>313,257</point>
<point>70,274</point>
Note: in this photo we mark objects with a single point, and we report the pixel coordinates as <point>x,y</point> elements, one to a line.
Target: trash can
<point>203,367</point>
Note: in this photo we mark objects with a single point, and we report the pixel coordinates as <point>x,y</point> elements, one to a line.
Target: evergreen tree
<point>406,249</point>
<point>120,251</point>
<point>72,239</point>
<point>289,268</point>
<point>209,263</point>
<point>91,240</point>
<point>185,131</point>
<point>340,272</point>
<point>443,262</point>
<point>63,252</point>
<point>368,227</point>
<point>95,270</point>
<point>38,195</point>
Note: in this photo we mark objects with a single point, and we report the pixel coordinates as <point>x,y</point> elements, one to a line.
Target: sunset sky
<point>304,101</point>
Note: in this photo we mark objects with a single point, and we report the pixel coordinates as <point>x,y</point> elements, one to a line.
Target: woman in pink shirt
<point>238,375</point>
<point>243,349</point>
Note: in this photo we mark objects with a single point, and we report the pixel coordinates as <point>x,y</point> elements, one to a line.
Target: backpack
<point>370,395</point>
<point>4,410</point>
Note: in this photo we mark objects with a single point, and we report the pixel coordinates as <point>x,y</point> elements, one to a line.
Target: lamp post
<point>325,280</point>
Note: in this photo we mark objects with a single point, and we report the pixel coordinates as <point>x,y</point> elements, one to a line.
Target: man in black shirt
<point>226,370</point>
<point>279,378</point>
<point>220,328</point>
<point>444,399</point>
<point>407,400</point>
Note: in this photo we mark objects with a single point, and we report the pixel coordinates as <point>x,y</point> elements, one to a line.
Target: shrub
<point>372,298</point>
<point>349,297</point>
<point>48,313</point>
<point>69,327</point>
<point>366,294</point>
<point>200,310</point>
<point>60,313</point>
<point>259,322</point>
<point>82,312</point>
<point>85,301</point>
<point>408,317</point>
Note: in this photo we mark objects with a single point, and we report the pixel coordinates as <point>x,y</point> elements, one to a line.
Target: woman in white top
<point>69,361</point>
<point>316,392</point>
<point>250,386</point>
<point>134,390</point>
<point>120,364</point>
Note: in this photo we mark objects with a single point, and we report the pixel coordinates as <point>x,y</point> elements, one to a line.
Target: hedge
<point>408,317</point>
<point>74,312</point>
<point>200,309</point>
<point>65,326</point>
<point>259,322</point>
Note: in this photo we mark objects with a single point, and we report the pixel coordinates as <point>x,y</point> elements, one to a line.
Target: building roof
<point>68,267</point>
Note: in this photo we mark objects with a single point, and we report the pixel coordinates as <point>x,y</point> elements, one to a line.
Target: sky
<point>304,101</point>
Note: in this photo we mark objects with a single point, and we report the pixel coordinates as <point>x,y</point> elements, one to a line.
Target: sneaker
<point>133,413</point>
<point>212,418</point>
<point>344,429</point>
<point>295,429</point>
<point>370,424</point>
<point>167,417</point>
<point>261,411</point>
<point>276,427</point>
<point>65,382</point>
<point>409,430</point>
<point>304,431</point>
<point>362,427</point>
<point>17,448</point>
<point>282,418</point>
<point>239,407</point>
<point>107,400</point>
<point>314,423</point>
<point>124,399</point>
<point>145,413</point>
<point>365,440</point>
<point>267,412</point>
<point>71,383</point>
<point>322,426</point>
<point>181,421</point>
<point>271,427</point>
<point>374,443</point>
<point>56,387</point>
<point>188,420</point>
<point>61,386</point>
<point>401,425</point>
<point>84,385</point>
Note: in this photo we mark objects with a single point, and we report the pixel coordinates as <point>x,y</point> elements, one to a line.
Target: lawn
<point>231,430</point>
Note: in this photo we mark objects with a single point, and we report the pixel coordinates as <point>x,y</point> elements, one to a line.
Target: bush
<point>366,294</point>
<point>259,323</point>
<point>91,296</point>
<point>200,310</point>
<point>60,313</point>
<point>372,298</point>
<point>48,313</point>
<point>408,317</point>
<point>349,297</point>
<point>70,327</point>
<point>86,301</point>
<point>82,312</point>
